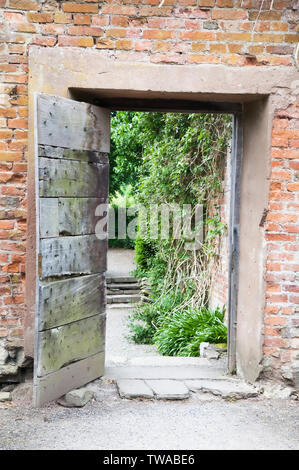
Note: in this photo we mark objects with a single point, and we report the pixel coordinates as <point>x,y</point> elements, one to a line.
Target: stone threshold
<point>168,389</point>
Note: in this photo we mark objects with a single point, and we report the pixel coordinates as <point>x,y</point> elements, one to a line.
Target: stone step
<point>120,306</point>
<point>113,299</point>
<point>122,292</point>
<point>120,279</point>
<point>126,286</point>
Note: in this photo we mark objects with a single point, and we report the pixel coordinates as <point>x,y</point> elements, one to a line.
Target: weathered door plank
<point>61,256</point>
<point>48,217</point>
<point>54,385</point>
<point>70,178</point>
<point>69,216</point>
<point>88,156</point>
<point>69,343</point>
<point>71,124</point>
<point>69,300</point>
<point>77,216</point>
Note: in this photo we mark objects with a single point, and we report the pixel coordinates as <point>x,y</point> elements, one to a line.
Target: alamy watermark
<point>163,221</point>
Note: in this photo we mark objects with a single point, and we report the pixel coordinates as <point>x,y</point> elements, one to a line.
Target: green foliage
<point>123,198</point>
<point>181,333</point>
<point>173,158</point>
<point>144,321</point>
<point>145,250</point>
<point>126,150</point>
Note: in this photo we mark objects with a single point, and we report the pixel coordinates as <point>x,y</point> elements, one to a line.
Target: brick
<point>291,38</point>
<point>17,123</point>
<point>218,48</point>
<point>75,41</point>
<point>40,17</point>
<point>143,45</point>
<point>71,7</point>
<point>264,37</point>
<point>24,5</point>
<point>157,34</point>
<point>85,31</point>
<point>228,14</point>
<point>100,20</point>
<point>44,41</point>
<point>269,331</point>
<point>8,112</point>
<point>197,36</point>
<point>275,320</point>
<point>281,217</point>
<point>288,154</point>
<point>104,43</point>
<point>6,224</point>
<point>281,175</point>
<point>82,19</point>
<point>206,3</point>
<point>199,46</point>
<point>13,17</point>
<point>265,15</point>
<point>53,29</point>
<point>279,237</point>
<point>116,33</point>
<point>203,59</point>
<point>293,186</point>
<point>167,58</point>
<point>62,18</point>
<point>120,21</point>
<point>235,48</point>
<point>162,46</point>
<point>158,23</point>
<point>225,3</point>
<point>233,36</point>
<point>154,11</point>
<point>277,26</point>
<point>123,44</point>
<point>10,156</point>
<point>118,10</point>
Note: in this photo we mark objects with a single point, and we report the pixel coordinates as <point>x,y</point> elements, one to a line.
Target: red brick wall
<point>281,343</point>
<point>219,288</point>
<point>231,32</point>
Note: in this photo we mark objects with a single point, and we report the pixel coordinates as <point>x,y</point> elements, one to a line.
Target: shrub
<point>145,250</point>
<point>145,320</point>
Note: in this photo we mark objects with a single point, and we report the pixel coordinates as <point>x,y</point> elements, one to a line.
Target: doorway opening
<point>172,262</point>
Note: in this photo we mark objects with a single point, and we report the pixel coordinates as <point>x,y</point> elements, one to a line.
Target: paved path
<point>109,422</point>
<point>120,262</point>
<point>119,350</point>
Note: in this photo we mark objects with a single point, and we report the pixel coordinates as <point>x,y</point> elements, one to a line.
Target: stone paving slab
<point>134,389</point>
<point>230,388</point>
<point>168,389</point>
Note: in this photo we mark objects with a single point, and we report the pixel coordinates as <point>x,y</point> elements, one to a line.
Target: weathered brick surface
<point>230,32</point>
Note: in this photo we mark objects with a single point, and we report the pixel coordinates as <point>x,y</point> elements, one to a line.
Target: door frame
<point>250,93</point>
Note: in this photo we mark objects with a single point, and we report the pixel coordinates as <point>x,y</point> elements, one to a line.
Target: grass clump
<point>181,333</point>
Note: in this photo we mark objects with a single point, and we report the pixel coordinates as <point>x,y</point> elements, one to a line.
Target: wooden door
<point>71,151</point>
